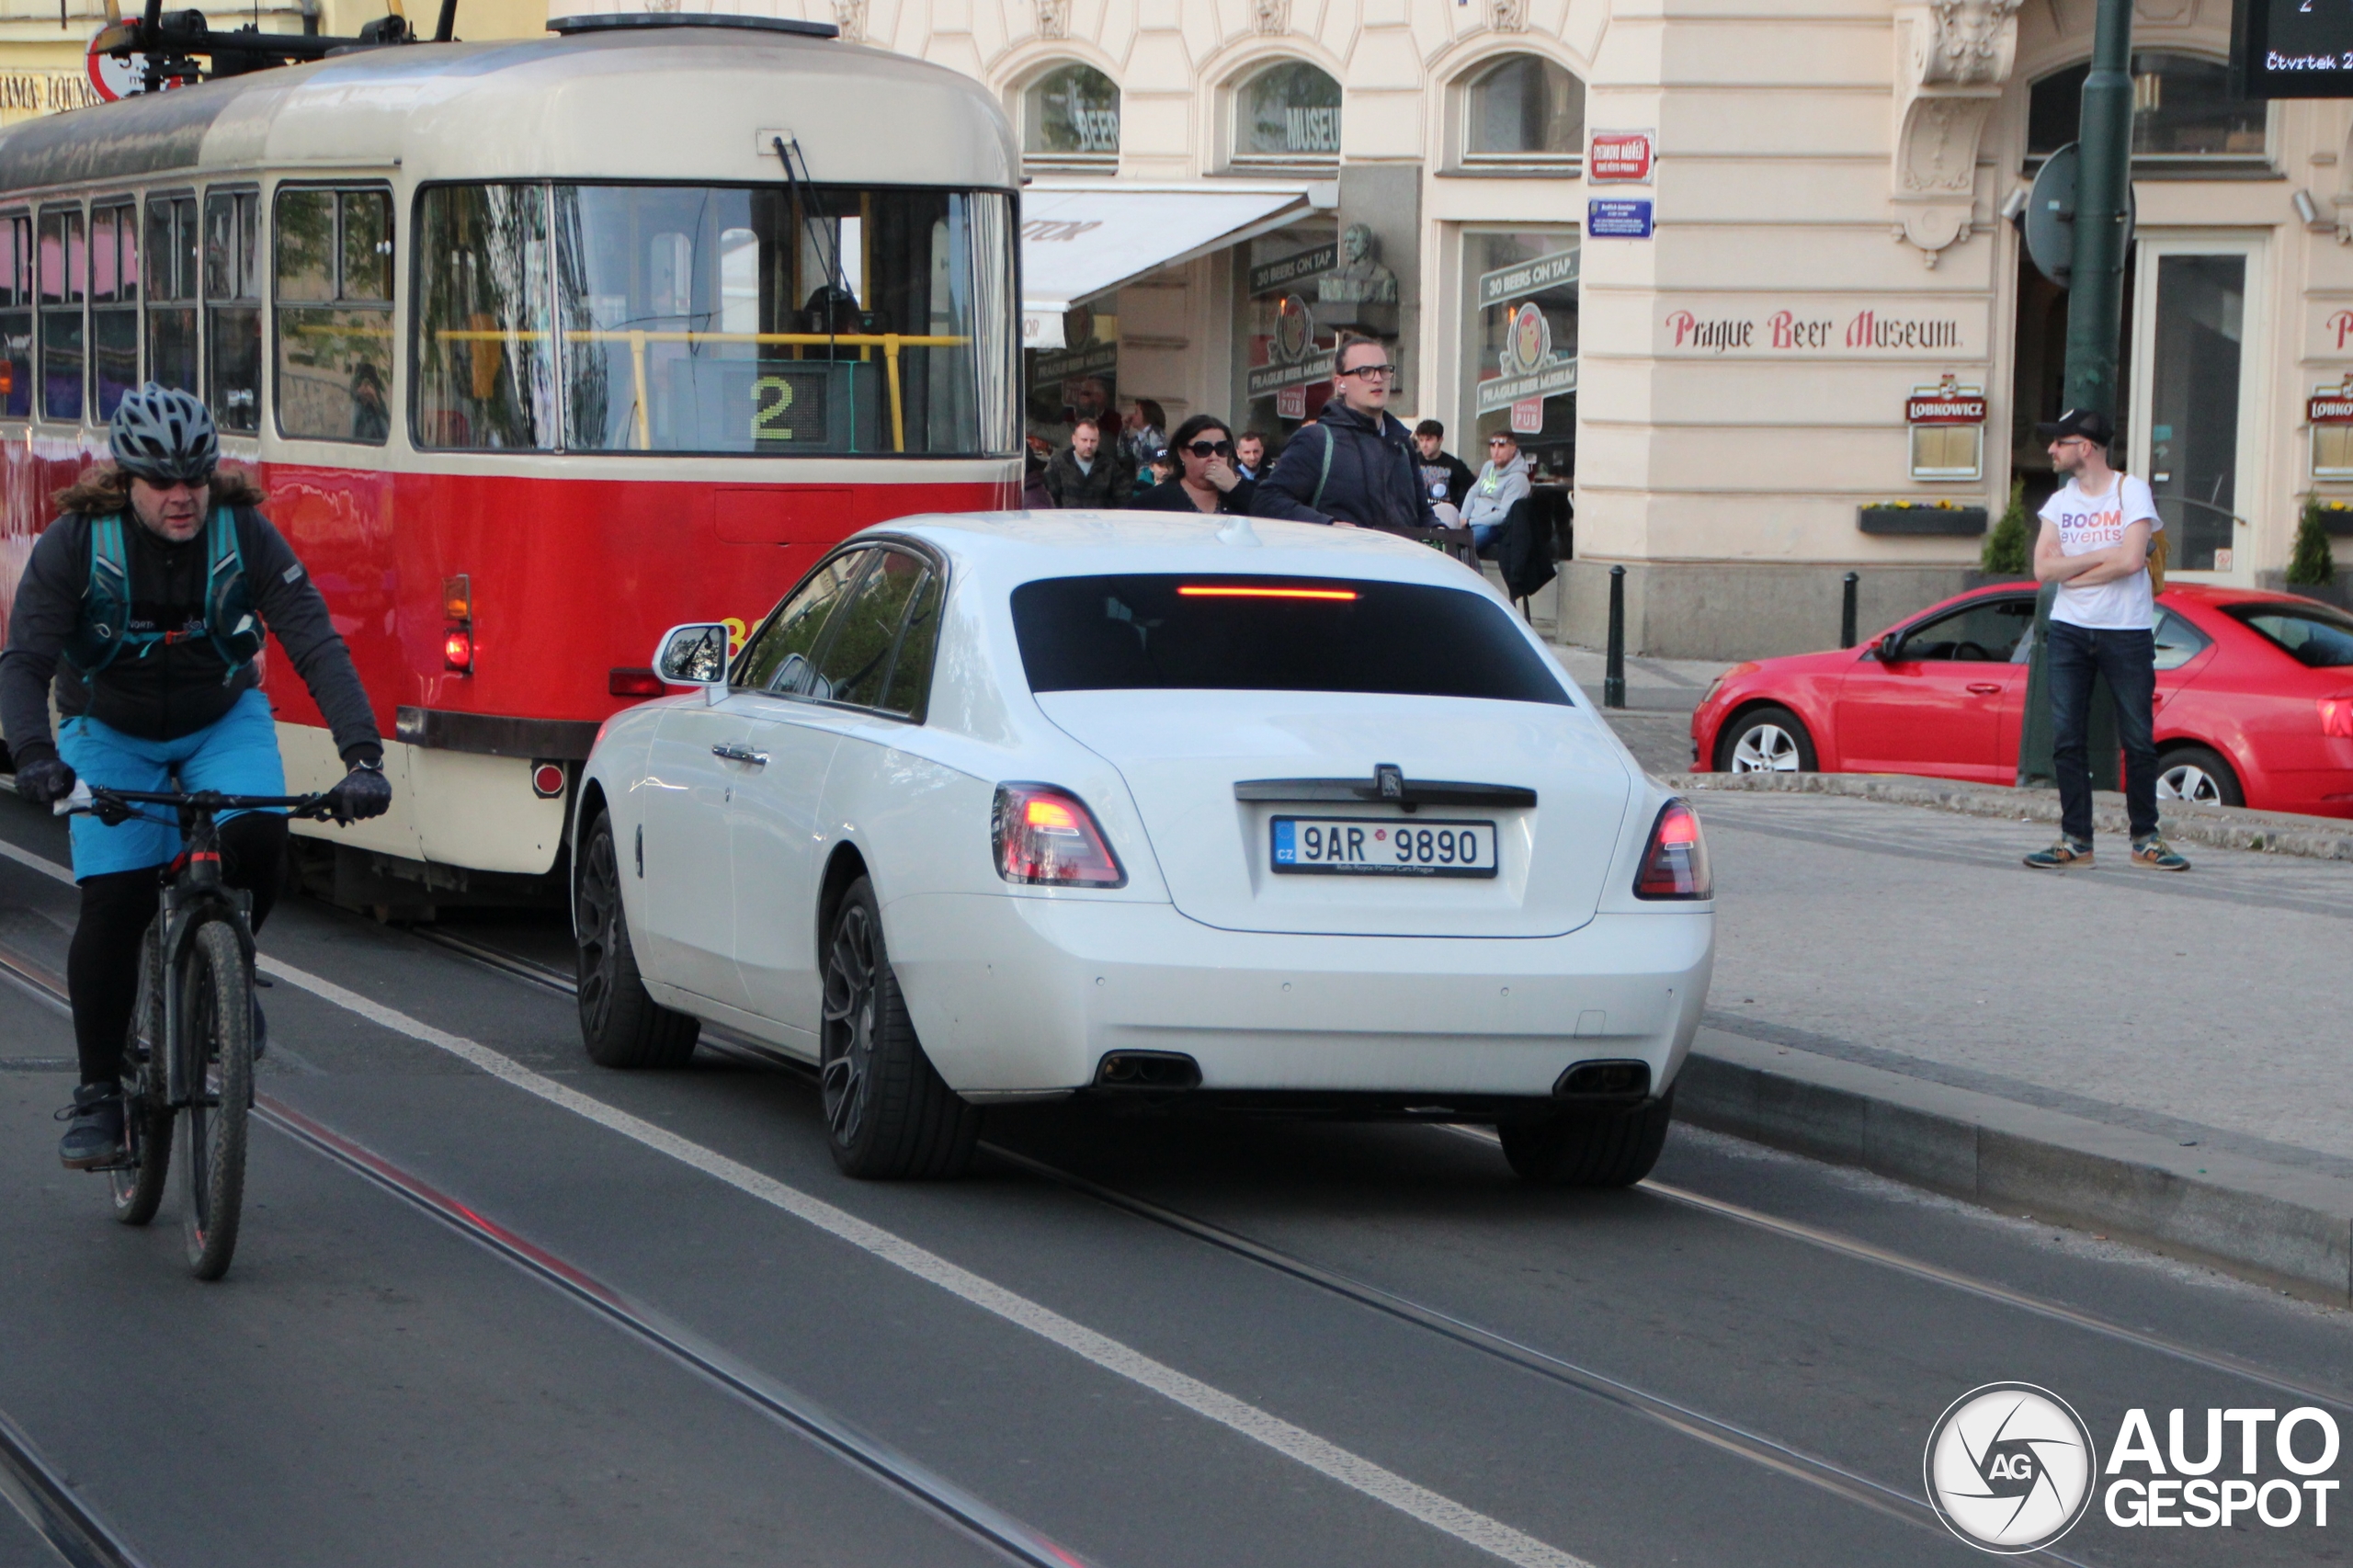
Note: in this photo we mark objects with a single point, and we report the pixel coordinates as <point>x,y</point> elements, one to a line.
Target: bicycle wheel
<point>217,1014</point>
<point>146,1115</point>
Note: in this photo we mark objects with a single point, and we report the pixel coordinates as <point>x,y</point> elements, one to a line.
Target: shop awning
<point>1079,241</point>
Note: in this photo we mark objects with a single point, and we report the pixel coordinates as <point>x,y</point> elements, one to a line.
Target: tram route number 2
<point>771,398</point>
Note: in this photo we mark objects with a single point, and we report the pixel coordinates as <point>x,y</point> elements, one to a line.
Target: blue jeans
<point>2128,660</point>
<point>236,753</point>
<point>1483,535</point>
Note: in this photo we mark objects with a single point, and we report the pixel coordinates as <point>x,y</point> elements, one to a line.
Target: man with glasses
<point>1501,485</point>
<point>2094,545</point>
<point>1357,466</point>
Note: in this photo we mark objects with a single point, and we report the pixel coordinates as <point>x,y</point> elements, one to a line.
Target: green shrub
<point>2008,546</point>
<point>2310,564</point>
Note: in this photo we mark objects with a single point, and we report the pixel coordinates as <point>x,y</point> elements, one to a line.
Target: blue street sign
<point>1611,218</point>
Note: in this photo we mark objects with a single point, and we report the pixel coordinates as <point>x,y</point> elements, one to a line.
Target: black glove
<point>364,793</point>
<point>45,780</point>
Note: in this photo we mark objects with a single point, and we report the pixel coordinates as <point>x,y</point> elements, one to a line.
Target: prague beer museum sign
<point>2292,49</point>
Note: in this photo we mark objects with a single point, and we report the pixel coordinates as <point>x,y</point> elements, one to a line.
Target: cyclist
<point>144,604</point>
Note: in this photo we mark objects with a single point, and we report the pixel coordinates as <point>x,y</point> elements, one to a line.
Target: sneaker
<point>96,1136</point>
<point>2062,855</point>
<point>2158,856</point>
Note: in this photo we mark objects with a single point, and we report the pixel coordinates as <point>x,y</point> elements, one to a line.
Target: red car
<point>2255,700</point>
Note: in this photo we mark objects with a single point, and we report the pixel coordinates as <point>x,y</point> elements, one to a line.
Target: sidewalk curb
<point>2281,1227</point>
<point>2217,827</point>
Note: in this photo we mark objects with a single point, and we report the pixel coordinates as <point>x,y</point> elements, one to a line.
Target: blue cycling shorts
<point>236,753</point>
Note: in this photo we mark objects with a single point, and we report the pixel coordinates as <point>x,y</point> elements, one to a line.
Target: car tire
<point>2200,775</point>
<point>889,1115</point>
<point>620,1023</point>
<point>1766,740</point>
<point>1589,1146</point>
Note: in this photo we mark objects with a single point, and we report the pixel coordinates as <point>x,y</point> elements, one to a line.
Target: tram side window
<point>171,280</point>
<point>114,303</point>
<point>484,353</point>
<point>65,274</point>
<point>16,315</point>
<point>334,314</point>
<point>773,323</point>
<point>232,307</point>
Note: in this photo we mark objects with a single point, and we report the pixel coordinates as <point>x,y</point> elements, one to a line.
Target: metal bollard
<point>1847,612</point>
<point>1613,673</point>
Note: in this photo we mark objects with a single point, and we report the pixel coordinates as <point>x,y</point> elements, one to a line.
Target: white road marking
<point>1327,1459</point>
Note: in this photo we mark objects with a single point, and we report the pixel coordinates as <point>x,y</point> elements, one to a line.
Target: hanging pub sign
<point>1532,371</point>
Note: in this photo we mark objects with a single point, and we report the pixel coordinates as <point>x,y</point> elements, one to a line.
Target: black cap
<point>2088,422</point>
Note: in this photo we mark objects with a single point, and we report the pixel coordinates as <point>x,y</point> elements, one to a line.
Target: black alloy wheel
<point>620,1023</point>
<point>889,1115</point>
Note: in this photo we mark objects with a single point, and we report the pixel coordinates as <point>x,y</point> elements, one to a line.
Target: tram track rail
<point>48,1502</point>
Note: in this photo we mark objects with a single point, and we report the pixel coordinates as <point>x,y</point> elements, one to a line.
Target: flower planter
<point>1955,522</point>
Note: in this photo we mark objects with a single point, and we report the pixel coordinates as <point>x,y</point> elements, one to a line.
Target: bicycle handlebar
<point>93,801</point>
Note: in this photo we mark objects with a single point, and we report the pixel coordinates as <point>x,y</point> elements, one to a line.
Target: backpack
<point>104,631</point>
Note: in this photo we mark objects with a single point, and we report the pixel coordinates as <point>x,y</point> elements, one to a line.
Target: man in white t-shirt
<point>2094,545</point>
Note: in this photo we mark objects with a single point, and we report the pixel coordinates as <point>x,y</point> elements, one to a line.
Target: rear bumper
<point>1026,994</point>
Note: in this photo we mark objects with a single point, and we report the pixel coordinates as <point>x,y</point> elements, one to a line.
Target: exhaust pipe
<point>1613,1081</point>
<point>1162,1070</point>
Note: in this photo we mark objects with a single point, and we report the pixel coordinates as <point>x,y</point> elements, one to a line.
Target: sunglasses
<point>1212,449</point>
<point>1501,441</point>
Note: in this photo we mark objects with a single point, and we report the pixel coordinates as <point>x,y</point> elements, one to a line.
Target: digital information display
<point>2293,48</point>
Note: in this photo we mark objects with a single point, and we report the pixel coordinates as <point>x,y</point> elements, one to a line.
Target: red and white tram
<point>538,347</point>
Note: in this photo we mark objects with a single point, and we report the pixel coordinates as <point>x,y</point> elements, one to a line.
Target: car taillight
<point>634,683</point>
<point>1675,863</point>
<point>2336,716</point>
<point>1045,834</point>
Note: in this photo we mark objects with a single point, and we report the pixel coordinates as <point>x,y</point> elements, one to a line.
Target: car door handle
<point>1984,688</point>
<point>733,753</point>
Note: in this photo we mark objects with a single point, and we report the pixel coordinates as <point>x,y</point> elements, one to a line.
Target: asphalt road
<point>496,1306</point>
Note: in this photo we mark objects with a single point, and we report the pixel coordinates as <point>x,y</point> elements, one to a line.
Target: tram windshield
<point>715,318</point>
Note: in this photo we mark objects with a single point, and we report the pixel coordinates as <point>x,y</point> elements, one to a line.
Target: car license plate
<point>1384,847</point>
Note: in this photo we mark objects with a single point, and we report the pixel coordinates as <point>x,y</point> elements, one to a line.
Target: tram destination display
<point>2292,49</point>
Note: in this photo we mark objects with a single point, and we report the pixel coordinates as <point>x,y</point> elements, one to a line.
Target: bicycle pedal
<point>117,1165</point>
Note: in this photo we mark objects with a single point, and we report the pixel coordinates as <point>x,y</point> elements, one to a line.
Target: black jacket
<point>1109,482</point>
<point>1375,477</point>
<point>176,688</point>
<point>1173,496</point>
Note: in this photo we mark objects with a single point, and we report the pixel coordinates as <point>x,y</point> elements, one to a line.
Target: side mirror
<point>1887,649</point>
<point>693,654</point>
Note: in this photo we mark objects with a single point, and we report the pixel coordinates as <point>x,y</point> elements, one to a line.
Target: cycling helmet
<point>164,436</point>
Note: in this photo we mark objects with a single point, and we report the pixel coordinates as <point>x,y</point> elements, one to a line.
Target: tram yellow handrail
<point>637,338</point>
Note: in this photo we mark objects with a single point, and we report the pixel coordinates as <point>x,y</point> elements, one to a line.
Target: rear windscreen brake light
<point>1675,865</point>
<point>1047,835</point>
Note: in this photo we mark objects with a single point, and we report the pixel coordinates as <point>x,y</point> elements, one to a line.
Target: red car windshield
<point>2310,634</point>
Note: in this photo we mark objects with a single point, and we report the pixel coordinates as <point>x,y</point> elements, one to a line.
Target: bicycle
<point>195,998</point>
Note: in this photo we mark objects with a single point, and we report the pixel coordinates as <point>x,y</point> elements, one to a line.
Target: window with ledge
<point>114,303</point>
<point>2183,111</point>
<point>1286,115</point>
<point>1070,117</point>
<point>1522,110</point>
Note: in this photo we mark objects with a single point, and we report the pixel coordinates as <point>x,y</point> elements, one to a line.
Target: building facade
<point>1740,273</point>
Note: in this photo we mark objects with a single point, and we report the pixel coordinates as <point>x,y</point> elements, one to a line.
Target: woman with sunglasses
<point>1208,480</point>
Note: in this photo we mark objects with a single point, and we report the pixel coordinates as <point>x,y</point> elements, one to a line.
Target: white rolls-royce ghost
<point>1014,807</point>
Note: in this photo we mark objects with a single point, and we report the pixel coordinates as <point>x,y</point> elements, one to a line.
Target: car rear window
<point>2310,634</point>
<point>1224,633</point>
